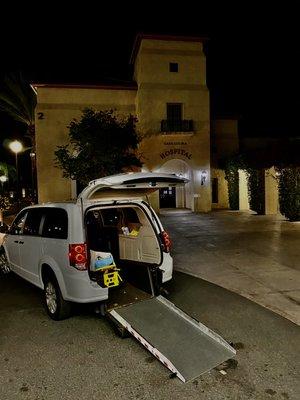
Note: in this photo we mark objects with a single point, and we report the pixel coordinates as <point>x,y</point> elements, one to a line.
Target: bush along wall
<point>256,190</point>
<point>289,193</point>
<point>231,167</point>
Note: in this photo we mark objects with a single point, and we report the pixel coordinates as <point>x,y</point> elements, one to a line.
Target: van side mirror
<point>4,228</point>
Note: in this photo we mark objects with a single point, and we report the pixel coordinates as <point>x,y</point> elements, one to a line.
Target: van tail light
<point>78,256</point>
<point>166,241</point>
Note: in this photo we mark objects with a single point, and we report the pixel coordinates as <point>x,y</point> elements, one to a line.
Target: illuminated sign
<point>173,152</point>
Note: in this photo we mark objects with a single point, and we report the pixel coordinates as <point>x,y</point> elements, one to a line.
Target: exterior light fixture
<point>16,146</point>
<point>203,177</point>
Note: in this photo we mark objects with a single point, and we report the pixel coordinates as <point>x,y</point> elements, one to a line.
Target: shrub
<point>231,167</point>
<point>256,190</point>
<point>289,193</point>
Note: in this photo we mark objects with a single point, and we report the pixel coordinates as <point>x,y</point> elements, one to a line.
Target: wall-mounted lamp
<point>203,177</point>
<point>275,176</point>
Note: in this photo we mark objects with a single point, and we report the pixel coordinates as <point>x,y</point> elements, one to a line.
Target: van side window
<point>17,226</point>
<point>33,222</point>
<point>55,224</point>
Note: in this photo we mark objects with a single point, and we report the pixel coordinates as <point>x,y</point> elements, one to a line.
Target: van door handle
<point>16,241</point>
<point>20,242</point>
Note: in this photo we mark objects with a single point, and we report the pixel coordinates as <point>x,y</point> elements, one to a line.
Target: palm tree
<point>8,170</point>
<point>18,100</point>
<point>10,173</point>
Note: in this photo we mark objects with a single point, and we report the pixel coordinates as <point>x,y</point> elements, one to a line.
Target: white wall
<point>243,191</point>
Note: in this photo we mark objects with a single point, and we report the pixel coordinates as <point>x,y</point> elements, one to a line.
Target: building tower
<point>172,106</point>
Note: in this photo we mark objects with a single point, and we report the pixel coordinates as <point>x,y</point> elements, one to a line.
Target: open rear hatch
<point>128,186</point>
<point>121,191</point>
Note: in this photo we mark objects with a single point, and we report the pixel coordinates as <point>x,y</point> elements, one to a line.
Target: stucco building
<point>170,98</point>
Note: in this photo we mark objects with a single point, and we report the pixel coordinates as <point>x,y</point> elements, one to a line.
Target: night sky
<point>251,52</point>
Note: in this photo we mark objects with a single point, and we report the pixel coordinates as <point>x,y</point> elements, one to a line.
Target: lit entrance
<point>181,197</point>
<point>167,197</point>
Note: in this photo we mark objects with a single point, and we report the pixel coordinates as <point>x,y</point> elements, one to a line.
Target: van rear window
<point>55,224</point>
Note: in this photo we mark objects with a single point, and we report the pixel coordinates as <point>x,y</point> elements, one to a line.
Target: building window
<point>173,67</point>
<point>174,121</point>
<point>174,112</point>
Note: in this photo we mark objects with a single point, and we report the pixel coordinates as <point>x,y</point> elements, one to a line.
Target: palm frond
<point>18,99</point>
<point>9,106</point>
<point>23,92</point>
<point>8,170</point>
<point>3,169</point>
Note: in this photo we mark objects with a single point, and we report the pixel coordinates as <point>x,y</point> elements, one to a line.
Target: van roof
<point>62,204</point>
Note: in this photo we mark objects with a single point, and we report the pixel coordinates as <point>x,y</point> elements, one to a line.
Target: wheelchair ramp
<point>184,345</point>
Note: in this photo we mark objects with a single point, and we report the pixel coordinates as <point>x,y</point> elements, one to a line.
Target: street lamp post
<point>16,147</point>
<point>32,157</point>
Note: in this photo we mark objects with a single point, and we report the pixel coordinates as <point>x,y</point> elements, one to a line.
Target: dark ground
<point>82,358</point>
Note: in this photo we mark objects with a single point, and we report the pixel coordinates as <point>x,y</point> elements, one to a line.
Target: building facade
<point>170,98</point>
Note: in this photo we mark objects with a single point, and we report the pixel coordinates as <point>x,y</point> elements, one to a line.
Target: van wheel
<point>56,307</point>
<point>101,309</point>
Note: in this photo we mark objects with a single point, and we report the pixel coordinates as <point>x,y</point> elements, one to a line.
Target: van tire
<point>57,308</point>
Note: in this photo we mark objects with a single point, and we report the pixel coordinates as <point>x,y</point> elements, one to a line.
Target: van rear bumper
<point>81,289</point>
<point>167,267</point>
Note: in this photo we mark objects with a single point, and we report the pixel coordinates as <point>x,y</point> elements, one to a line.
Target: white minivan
<point>83,251</point>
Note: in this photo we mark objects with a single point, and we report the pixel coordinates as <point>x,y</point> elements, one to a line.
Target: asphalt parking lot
<point>82,358</point>
<point>256,256</point>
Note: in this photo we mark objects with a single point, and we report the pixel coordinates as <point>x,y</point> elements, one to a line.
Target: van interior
<point>129,236</point>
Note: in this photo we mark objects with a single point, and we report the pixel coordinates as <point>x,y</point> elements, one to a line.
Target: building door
<point>167,197</point>
<point>180,197</point>
<point>215,190</point>
<point>174,116</point>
